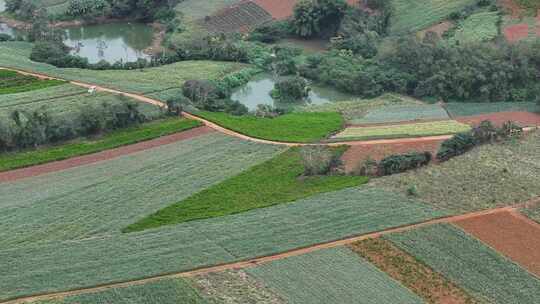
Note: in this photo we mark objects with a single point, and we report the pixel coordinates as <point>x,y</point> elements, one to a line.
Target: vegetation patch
<point>422,280</point>
<point>489,176</point>
<point>114,139</point>
<point>398,113</point>
<point>166,291</point>
<point>276,181</point>
<point>402,131</point>
<point>334,275</point>
<point>457,109</point>
<point>477,27</point>
<point>13,82</point>
<point>533,212</point>
<point>469,263</point>
<point>302,127</point>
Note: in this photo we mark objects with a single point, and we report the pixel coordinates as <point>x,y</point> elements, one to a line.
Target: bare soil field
<point>279,9</point>
<point>510,233</point>
<point>13,175</point>
<point>357,154</point>
<point>516,32</point>
<point>525,119</point>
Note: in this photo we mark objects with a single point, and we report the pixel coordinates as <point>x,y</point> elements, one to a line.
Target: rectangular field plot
<point>402,131</point>
<point>471,264</point>
<point>111,257</point>
<point>400,113</point>
<point>457,109</point>
<point>334,275</point>
<point>477,27</point>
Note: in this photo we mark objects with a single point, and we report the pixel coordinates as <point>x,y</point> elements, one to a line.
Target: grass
<point>334,275</point>
<point>166,291</point>
<point>413,16</point>
<point>13,82</point>
<point>39,97</point>
<point>476,28</point>
<point>457,109</point>
<point>533,212</point>
<point>422,280</point>
<point>470,263</point>
<point>38,213</point>
<point>9,161</point>
<point>273,182</point>
<point>150,80</point>
<point>304,127</point>
<point>487,177</point>
<point>399,113</point>
<point>402,131</point>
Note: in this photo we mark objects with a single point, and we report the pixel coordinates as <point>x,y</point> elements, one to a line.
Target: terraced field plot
<point>150,80</point>
<point>457,109</point>
<point>399,113</point>
<point>331,276</point>
<point>239,18</point>
<point>469,263</point>
<point>489,176</point>
<point>37,263</point>
<point>13,82</point>
<point>477,27</point>
<point>413,16</point>
<point>402,130</point>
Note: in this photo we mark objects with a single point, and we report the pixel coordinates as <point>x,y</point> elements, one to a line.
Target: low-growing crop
<point>398,113</point>
<point>334,275</point>
<point>477,27</point>
<point>276,181</point>
<point>13,82</point>
<point>457,109</point>
<point>471,264</point>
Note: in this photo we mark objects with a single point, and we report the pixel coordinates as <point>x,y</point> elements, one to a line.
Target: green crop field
<point>76,242</point>
<point>469,263</point>
<point>489,176</point>
<point>166,291</point>
<point>150,80</point>
<point>402,131</point>
<point>412,16</point>
<point>334,275</point>
<point>398,113</point>
<point>274,182</point>
<point>292,127</point>
<point>13,82</point>
<point>39,96</point>
<point>533,212</point>
<point>469,109</point>
<point>477,27</point>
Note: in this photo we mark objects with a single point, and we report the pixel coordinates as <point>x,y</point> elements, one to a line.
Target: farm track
<point>266,259</point>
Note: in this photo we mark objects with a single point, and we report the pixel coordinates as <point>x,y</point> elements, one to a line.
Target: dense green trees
<point>318,17</point>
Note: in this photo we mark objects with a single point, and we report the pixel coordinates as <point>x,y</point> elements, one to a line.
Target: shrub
<point>291,90</point>
<point>457,145</point>
<point>400,163</point>
<point>45,51</point>
<point>510,130</point>
<point>319,160</point>
<point>486,132</point>
<point>368,168</point>
<point>175,105</point>
<point>267,111</point>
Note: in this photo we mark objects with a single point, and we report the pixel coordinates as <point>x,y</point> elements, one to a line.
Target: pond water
<point>257,91</point>
<point>109,42</point>
<point>2,5</point>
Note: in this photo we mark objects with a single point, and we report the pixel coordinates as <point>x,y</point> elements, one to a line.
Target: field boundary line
<point>252,262</point>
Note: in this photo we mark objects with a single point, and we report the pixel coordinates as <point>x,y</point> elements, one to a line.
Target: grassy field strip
<point>469,263</point>
<point>402,131</point>
<point>102,198</point>
<point>12,82</point>
<point>413,16</point>
<point>532,212</point>
<point>398,113</point>
<point>15,55</point>
<point>46,94</point>
<point>334,275</point>
<point>166,291</point>
<point>128,136</point>
<point>57,266</point>
<point>457,109</point>
<point>477,27</point>
<point>489,176</point>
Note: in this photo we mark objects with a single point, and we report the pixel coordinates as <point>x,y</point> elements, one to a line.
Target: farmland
<point>399,113</point>
<point>469,263</point>
<point>13,82</point>
<point>478,27</point>
<point>402,130</point>
<point>487,177</point>
<point>273,182</point>
<point>457,109</point>
<point>331,276</point>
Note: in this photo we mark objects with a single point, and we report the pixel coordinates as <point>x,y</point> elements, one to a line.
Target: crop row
<point>398,113</point>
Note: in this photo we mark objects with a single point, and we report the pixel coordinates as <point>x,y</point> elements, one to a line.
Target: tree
<point>313,17</point>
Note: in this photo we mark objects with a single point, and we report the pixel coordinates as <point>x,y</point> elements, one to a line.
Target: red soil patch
<point>513,9</point>
<point>510,233</point>
<point>279,9</point>
<point>357,154</point>
<point>17,174</point>
<point>516,32</point>
<point>525,119</point>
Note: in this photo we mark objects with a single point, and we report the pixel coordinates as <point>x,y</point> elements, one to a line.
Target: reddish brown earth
<point>512,8</point>
<point>17,174</point>
<point>510,233</point>
<point>357,154</point>
<point>283,9</point>
<point>516,32</point>
<point>525,119</point>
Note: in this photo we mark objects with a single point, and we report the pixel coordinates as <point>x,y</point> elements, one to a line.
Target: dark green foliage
<point>48,51</point>
<point>457,145</point>
<point>320,160</point>
<point>270,32</point>
<point>274,182</point>
<point>510,130</point>
<point>318,17</point>
<point>400,163</point>
<point>291,90</point>
<point>486,132</point>
<point>206,96</point>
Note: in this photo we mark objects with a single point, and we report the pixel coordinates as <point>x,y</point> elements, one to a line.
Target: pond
<point>257,91</point>
<point>110,42</point>
<point>2,5</point>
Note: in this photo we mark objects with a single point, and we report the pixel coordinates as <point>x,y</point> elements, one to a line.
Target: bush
<point>368,168</point>
<point>319,160</point>
<point>400,163</point>
<point>267,111</point>
<point>510,130</point>
<point>486,132</point>
<point>175,105</point>
<point>45,51</point>
<point>457,145</point>
<point>291,90</point>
